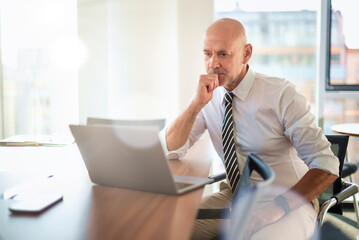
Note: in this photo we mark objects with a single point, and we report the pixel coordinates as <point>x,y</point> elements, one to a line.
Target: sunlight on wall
<point>144,57</point>
<point>39,66</point>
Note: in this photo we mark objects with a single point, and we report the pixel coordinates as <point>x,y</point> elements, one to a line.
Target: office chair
<point>330,200</point>
<point>349,169</point>
<point>253,163</point>
<point>338,146</point>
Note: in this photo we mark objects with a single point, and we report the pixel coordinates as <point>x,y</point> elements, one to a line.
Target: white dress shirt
<point>273,120</point>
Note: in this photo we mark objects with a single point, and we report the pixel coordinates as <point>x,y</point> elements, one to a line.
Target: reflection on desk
<point>89,211</point>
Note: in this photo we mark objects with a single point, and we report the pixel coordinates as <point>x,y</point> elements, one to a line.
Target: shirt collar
<point>243,88</point>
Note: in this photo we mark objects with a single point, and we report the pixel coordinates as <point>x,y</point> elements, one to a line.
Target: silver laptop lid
<point>124,156</point>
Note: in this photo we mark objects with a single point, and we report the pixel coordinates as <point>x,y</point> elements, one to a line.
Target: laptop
<point>160,123</point>
<point>130,157</point>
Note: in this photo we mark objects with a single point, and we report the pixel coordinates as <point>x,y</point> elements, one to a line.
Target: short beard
<point>232,83</point>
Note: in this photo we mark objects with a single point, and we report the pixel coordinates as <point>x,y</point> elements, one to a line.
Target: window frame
<point>328,86</point>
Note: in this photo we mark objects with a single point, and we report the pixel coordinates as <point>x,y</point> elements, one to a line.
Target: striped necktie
<point>229,150</point>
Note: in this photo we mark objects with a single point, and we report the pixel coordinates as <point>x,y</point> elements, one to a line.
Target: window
<point>39,63</point>
<point>344,46</point>
<point>283,35</point>
<point>338,75</point>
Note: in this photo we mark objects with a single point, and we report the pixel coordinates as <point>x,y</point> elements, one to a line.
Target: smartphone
<point>36,204</point>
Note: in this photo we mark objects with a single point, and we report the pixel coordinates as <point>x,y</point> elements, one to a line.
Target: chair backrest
<point>160,123</point>
<point>248,196</point>
<point>339,145</point>
<point>253,163</point>
<point>257,164</point>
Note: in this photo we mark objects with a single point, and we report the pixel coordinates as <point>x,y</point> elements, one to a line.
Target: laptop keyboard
<point>181,185</point>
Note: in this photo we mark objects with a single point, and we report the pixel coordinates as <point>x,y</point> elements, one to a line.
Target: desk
<point>90,211</point>
<point>351,129</point>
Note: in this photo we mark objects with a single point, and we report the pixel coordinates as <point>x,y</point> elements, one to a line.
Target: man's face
<point>224,55</point>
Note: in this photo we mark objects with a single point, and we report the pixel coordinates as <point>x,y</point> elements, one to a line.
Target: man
<point>261,115</point>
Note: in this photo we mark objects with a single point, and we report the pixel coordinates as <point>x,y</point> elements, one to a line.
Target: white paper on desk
<point>36,140</point>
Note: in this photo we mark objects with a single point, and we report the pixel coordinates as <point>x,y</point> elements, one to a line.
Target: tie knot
<point>228,97</point>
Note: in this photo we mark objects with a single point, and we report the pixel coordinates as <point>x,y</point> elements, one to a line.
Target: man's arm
<point>313,183</point>
<point>178,133</point>
<point>301,129</point>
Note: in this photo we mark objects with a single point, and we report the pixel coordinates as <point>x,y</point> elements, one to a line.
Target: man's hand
<point>308,188</point>
<point>178,133</point>
<point>207,83</point>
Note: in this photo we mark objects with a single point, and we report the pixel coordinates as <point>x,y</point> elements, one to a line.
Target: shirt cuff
<point>175,154</point>
<point>329,164</point>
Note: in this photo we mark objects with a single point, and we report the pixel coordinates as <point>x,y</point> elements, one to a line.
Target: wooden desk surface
<point>90,211</point>
<point>351,129</point>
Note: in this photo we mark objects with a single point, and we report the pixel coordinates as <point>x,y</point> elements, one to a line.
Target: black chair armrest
<point>213,213</point>
<point>217,177</point>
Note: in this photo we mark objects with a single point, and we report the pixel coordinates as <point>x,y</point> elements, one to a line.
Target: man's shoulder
<point>273,86</point>
<point>261,78</point>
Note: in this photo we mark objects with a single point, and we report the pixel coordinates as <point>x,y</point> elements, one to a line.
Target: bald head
<point>226,52</point>
<point>229,29</point>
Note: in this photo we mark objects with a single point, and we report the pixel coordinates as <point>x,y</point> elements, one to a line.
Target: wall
<point>193,19</point>
<point>144,57</point>
<point>93,75</point>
